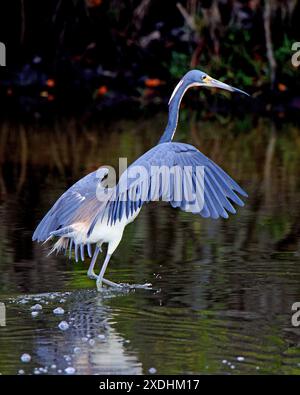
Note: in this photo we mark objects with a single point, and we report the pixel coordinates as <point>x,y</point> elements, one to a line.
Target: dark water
<point>222,290</point>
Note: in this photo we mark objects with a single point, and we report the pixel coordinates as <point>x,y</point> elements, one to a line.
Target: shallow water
<point>222,290</point>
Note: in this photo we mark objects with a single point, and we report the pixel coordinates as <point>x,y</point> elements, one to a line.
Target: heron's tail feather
<point>65,243</point>
<point>48,239</point>
<point>61,244</point>
<point>79,250</point>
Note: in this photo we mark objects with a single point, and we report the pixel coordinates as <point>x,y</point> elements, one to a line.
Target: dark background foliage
<point>90,55</point>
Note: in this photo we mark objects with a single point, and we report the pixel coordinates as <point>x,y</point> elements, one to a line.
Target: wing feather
<point>218,185</point>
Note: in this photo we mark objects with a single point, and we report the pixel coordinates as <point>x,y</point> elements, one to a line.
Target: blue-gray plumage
<point>80,218</point>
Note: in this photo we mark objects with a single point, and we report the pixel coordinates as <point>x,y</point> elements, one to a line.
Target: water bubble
<point>240,359</point>
<point>34,313</point>
<point>67,358</point>
<point>84,339</point>
<point>36,307</point>
<point>224,361</point>
<point>152,370</point>
<point>70,370</point>
<point>62,300</point>
<point>58,311</point>
<point>21,371</point>
<point>25,358</point>
<point>63,325</point>
<point>101,337</point>
<point>91,342</point>
<point>76,350</point>
<point>53,366</point>
<point>232,367</point>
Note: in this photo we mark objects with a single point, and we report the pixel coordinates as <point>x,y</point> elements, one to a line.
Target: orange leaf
<point>93,3</point>
<point>282,87</point>
<point>153,82</point>
<point>102,90</point>
<point>50,83</point>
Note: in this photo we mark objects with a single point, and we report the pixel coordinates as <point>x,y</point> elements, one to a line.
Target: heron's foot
<point>140,286</point>
<point>111,283</point>
<point>102,281</point>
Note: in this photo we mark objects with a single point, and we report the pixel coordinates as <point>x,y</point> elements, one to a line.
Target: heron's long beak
<point>212,83</point>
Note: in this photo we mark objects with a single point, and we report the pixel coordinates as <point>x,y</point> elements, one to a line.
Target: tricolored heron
<point>79,218</point>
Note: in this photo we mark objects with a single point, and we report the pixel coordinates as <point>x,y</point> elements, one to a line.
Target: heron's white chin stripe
<point>189,86</point>
<point>175,90</point>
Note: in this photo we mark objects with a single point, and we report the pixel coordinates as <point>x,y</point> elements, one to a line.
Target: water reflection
<point>222,289</point>
<point>90,345</point>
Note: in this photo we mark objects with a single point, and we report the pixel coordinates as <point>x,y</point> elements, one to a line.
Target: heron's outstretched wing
<point>215,199</point>
<point>79,204</point>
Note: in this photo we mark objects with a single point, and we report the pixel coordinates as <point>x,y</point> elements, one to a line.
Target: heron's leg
<point>91,274</point>
<point>102,271</point>
<point>110,250</point>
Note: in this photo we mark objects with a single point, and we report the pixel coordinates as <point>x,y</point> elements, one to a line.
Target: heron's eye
<point>204,78</point>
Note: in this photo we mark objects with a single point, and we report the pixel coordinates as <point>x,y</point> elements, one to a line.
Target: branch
<point>187,17</point>
<point>269,44</point>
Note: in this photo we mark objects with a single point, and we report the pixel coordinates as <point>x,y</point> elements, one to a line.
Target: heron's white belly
<point>106,233</point>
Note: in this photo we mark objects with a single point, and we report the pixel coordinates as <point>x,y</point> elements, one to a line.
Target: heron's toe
<point>111,283</point>
<point>143,286</point>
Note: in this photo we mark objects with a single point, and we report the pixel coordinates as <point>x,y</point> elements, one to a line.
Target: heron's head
<point>199,78</point>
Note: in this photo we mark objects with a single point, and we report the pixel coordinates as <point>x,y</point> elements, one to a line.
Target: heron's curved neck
<point>174,105</point>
